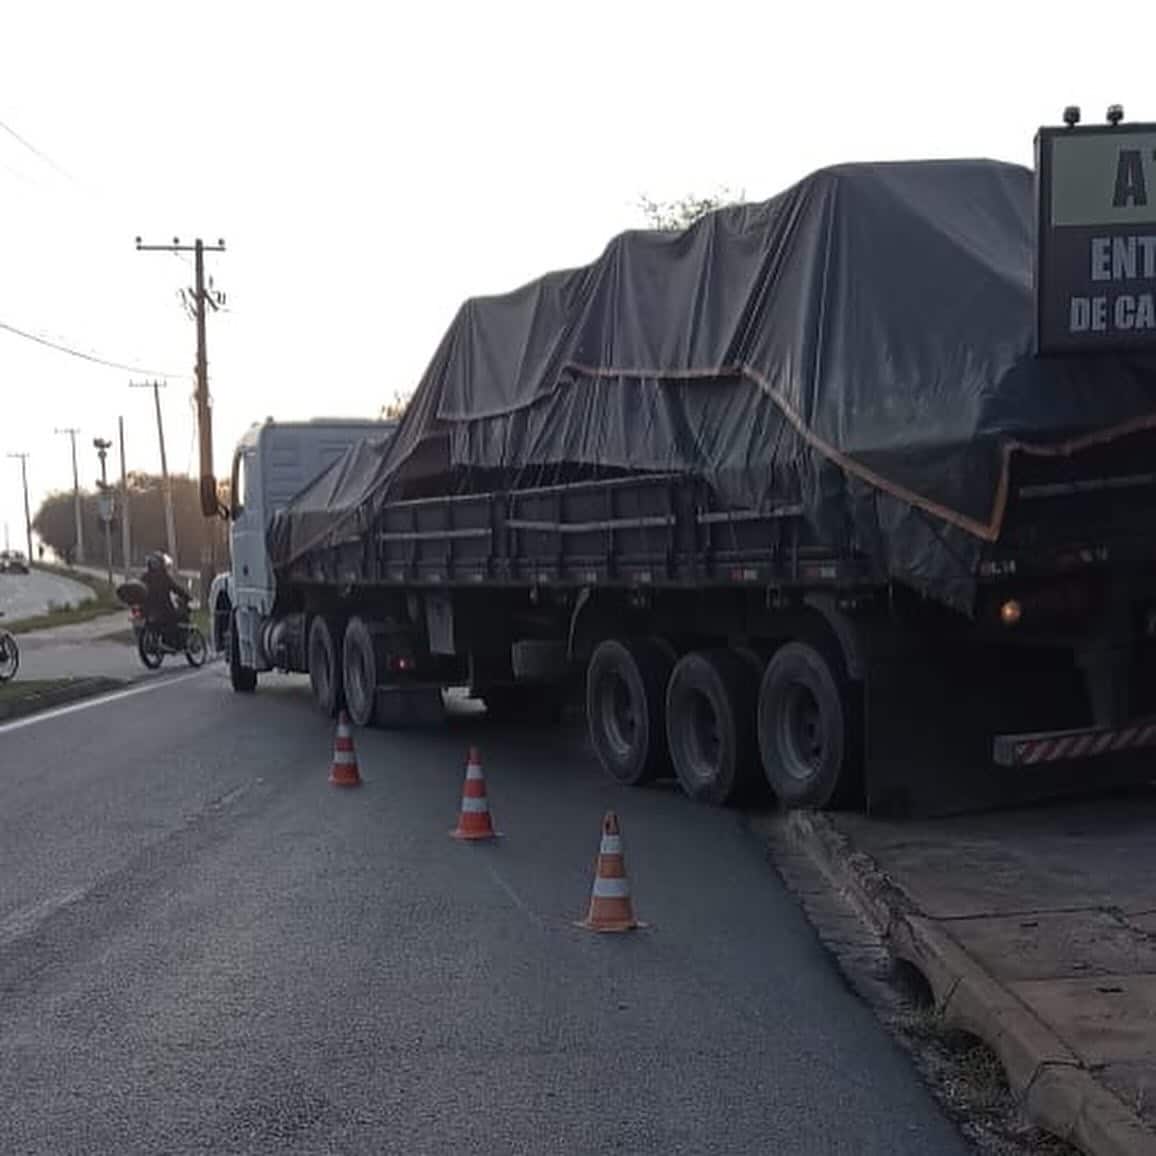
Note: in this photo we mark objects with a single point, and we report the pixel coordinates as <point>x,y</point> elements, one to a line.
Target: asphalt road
<point>26,595</point>
<point>206,948</point>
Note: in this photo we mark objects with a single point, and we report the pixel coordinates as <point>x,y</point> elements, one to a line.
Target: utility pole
<point>78,508</point>
<point>210,503</point>
<point>170,521</point>
<point>27,516</point>
<point>125,537</point>
<point>102,446</point>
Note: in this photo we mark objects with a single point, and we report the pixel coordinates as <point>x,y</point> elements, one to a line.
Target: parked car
<point>13,562</point>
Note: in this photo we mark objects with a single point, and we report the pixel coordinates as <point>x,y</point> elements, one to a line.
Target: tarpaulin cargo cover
<point>861,343</point>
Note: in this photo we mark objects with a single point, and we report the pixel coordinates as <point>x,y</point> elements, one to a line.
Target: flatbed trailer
<point>835,494</point>
<point>531,597</point>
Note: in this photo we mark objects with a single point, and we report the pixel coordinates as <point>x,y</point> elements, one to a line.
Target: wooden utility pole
<point>27,516</point>
<point>210,503</point>
<point>125,535</point>
<point>170,521</point>
<point>78,506</point>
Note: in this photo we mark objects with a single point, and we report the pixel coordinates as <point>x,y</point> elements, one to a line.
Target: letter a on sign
<point>1131,188</point>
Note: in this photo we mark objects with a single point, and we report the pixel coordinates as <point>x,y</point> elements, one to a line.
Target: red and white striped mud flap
<point>1058,746</point>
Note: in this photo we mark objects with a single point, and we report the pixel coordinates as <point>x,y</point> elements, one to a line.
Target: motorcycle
<point>154,642</point>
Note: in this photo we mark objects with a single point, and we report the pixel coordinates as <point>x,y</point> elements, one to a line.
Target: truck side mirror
<point>210,505</point>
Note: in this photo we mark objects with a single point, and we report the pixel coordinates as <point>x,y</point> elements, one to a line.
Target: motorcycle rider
<point>160,589</point>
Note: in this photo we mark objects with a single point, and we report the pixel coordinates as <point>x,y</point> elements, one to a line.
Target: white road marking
<point>515,898</point>
<point>22,923</point>
<point>101,700</point>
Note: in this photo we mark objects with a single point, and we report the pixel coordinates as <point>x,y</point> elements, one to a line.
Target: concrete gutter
<point>1060,1092</point>
<point>74,691</point>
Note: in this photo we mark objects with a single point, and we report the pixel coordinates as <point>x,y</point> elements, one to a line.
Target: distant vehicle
<point>13,562</point>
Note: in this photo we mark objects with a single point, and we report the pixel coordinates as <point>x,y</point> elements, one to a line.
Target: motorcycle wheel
<point>9,657</point>
<point>195,649</point>
<point>150,648</point>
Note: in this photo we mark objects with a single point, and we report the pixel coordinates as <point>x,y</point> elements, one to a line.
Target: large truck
<point>802,497</point>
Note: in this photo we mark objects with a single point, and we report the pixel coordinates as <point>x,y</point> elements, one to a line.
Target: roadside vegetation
<point>16,690</point>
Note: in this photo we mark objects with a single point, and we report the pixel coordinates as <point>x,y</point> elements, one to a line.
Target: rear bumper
<point>1031,750</point>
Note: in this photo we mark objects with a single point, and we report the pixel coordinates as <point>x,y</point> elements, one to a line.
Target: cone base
<point>344,781</point>
<point>611,928</point>
<point>474,836</point>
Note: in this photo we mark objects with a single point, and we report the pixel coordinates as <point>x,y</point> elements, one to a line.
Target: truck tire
<point>242,678</point>
<point>710,726</point>
<point>324,658</point>
<point>626,708</point>
<point>805,726</point>
<point>362,666</point>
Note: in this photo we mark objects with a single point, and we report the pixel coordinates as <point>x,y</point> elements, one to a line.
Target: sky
<point>370,166</point>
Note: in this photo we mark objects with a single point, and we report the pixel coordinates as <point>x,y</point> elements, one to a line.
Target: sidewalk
<point>99,648</point>
<point>1036,931</point>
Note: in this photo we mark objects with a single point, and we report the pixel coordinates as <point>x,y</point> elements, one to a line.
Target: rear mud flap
<point>931,722</point>
<point>398,708</point>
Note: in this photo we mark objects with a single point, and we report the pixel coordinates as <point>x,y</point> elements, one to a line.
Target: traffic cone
<point>474,819</point>
<point>610,906</point>
<point>344,771</point>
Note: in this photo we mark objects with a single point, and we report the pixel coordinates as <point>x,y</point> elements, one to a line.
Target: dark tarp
<point>861,343</point>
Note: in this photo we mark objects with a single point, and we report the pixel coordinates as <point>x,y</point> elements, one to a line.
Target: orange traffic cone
<point>344,771</point>
<point>474,820</point>
<point>610,906</point>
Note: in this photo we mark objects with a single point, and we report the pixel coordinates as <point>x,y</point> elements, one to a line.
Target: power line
<point>87,356</point>
<point>36,152</point>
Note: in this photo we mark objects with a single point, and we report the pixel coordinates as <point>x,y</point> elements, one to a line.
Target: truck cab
<point>272,463</point>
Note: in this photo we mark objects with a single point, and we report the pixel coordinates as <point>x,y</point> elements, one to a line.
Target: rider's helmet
<point>155,562</point>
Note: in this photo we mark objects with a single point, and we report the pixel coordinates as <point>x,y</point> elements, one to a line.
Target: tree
<point>671,216</point>
<point>55,523</point>
<point>396,408</point>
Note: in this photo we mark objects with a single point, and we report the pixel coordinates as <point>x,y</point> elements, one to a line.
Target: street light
<point>102,446</point>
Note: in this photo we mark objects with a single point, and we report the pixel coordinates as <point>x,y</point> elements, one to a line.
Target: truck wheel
<point>710,726</point>
<point>324,665</point>
<point>805,734</point>
<point>362,666</point>
<point>626,709</point>
<point>243,678</point>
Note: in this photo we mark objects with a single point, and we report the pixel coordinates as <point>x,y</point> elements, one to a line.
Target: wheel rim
<point>319,669</point>
<point>704,738</point>
<point>357,679</point>
<point>800,732</point>
<point>619,714</point>
<point>195,648</point>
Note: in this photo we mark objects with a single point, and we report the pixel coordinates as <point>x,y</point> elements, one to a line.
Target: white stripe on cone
<point>473,771</point>
<point>611,888</point>
<point>611,845</point>
<point>475,806</point>
<point>344,758</point>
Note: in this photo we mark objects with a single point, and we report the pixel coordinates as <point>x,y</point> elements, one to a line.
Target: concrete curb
<point>1058,1092</point>
<point>57,696</point>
